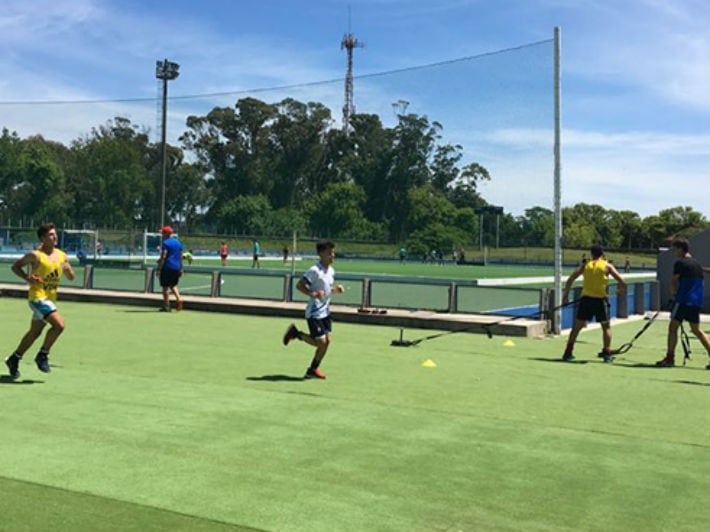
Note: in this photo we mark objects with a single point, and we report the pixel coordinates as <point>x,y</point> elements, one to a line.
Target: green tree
<point>109,178</point>
<point>33,181</point>
<point>678,218</point>
<point>247,215</point>
<point>539,227</point>
<point>337,212</point>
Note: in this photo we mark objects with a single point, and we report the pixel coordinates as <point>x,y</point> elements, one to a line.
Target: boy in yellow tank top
<point>594,302</point>
<point>46,264</point>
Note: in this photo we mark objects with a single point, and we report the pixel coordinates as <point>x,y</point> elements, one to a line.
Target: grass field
<point>192,421</point>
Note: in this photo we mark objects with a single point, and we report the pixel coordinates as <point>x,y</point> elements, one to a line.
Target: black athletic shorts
<point>593,307</point>
<point>681,312</point>
<point>319,327</point>
<point>169,278</point>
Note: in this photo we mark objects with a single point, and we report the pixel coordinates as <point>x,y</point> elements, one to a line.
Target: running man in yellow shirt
<point>595,301</point>
<point>46,264</point>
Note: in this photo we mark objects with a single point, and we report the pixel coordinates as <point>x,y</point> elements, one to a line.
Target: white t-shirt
<point>319,278</point>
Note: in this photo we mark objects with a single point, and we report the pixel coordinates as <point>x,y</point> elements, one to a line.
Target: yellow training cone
<point>509,343</point>
<point>428,363</point>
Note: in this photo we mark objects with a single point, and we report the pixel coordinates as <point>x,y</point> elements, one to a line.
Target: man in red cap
<point>170,268</point>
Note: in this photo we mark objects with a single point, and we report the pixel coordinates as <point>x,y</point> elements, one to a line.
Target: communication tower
<point>349,43</point>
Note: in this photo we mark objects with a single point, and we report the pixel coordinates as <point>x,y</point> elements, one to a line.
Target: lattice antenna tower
<point>349,43</point>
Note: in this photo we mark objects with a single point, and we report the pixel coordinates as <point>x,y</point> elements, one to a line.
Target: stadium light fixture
<point>166,71</point>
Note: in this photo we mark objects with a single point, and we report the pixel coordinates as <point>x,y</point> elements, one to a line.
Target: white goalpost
<point>149,240</point>
<point>74,240</point>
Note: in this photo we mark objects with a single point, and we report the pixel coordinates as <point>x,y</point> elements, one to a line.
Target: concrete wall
<point>700,250</point>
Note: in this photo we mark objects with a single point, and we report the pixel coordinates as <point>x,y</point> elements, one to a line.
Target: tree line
<point>273,168</point>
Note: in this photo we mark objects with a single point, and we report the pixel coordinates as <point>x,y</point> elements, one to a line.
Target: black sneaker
<point>291,334</point>
<point>42,361</point>
<point>667,362</point>
<point>606,356</point>
<point>13,365</point>
<point>568,357</point>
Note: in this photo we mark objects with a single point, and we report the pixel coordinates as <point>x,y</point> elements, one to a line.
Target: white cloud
<point>660,47</point>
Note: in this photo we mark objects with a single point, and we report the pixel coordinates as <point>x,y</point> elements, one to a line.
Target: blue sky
<point>636,78</point>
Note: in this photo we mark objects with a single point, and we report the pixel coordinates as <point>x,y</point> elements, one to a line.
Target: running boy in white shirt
<point>317,283</point>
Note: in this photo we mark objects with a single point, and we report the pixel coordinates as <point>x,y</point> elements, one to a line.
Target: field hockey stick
<point>628,345</point>
<point>685,344</point>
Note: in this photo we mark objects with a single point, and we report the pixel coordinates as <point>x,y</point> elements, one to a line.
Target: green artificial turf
<point>201,421</point>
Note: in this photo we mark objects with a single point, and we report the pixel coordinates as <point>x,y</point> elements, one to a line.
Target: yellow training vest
<point>596,278</point>
<point>51,273</point>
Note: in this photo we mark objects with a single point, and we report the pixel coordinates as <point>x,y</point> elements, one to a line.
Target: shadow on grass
<point>653,366</point>
<point>694,383</point>
<point>540,359</point>
<point>6,379</point>
<point>143,311</point>
<point>276,378</point>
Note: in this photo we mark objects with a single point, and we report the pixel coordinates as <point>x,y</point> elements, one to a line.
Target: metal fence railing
<point>438,295</point>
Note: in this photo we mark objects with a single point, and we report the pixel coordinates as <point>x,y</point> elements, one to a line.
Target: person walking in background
<point>687,288</point>
<point>223,252</point>
<point>595,301</point>
<point>169,268</point>
<point>285,253</point>
<point>256,252</point>
<point>402,254</point>
<point>46,265</point>
<point>317,283</point>
<point>627,265</point>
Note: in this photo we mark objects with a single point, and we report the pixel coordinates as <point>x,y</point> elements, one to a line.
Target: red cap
<point>167,230</point>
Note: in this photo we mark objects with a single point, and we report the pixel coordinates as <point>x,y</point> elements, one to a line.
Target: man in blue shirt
<point>170,268</point>
<point>687,289</point>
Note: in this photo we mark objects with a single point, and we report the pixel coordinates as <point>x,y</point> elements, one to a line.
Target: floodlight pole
<point>167,71</point>
<point>557,181</point>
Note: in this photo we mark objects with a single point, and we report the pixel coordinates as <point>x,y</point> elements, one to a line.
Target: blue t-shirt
<point>174,253</point>
<point>690,282</point>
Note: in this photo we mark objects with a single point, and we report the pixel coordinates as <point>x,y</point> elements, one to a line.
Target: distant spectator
<point>627,265</point>
<point>99,248</point>
<point>223,252</point>
<point>285,253</point>
<point>187,256</point>
<point>402,254</point>
<point>256,251</point>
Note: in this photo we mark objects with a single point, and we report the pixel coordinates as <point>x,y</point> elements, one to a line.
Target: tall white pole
<point>293,254</point>
<point>163,150</point>
<point>558,175</point>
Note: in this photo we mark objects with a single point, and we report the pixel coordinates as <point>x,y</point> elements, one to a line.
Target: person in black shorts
<point>594,303</point>
<point>687,287</point>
